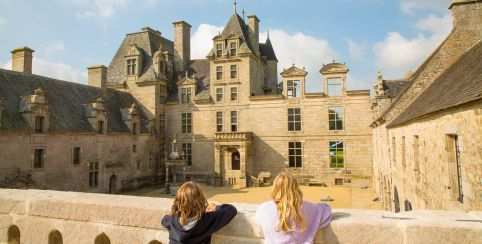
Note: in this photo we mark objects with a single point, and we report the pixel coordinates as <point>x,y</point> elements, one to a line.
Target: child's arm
<point>223,215</point>
<point>166,222</point>
<point>325,215</point>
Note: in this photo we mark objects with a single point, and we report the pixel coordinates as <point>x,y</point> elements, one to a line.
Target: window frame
<point>295,154</point>
<point>186,123</point>
<point>219,50</point>
<point>293,86</point>
<point>219,72</point>
<point>234,121</point>
<point>219,94</point>
<point>235,71</point>
<point>294,119</point>
<point>39,124</point>
<point>100,127</point>
<point>219,122</point>
<point>335,120</point>
<point>338,85</point>
<point>131,66</point>
<point>186,95</point>
<point>38,158</point>
<point>235,48</point>
<point>76,156</point>
<point>234,91</point>
<point>187,150</point>
<point>93,174</point>
<point>336,149</point>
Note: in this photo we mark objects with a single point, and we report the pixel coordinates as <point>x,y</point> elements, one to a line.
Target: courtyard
<point>343,197</point>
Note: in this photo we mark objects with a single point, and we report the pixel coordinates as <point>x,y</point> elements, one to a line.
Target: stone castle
<point>417,141</point>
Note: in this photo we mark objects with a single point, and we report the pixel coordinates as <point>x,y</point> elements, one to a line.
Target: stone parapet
<point>81,217</point>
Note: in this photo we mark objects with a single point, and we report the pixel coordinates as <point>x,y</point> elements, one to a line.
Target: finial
<point>235,8</point>
<point>333,61</point>
<point>243,14</point>
<point>293,64</point>
<point>268,34</point>
<point>186,74</point>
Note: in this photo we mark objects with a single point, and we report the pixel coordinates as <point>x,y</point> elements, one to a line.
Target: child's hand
<point>211,207</point>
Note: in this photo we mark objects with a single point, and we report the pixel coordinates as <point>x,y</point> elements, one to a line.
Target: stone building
<point>67,136</point>
<point>233,119</point>
<point>427,126</point>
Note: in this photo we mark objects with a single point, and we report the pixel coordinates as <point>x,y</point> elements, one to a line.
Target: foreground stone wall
<point>87,218</point>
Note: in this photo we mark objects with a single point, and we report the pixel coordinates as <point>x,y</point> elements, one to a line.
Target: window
<point>187,123</point>
<point>93,174</point>
<point>38,161</point>
<point>334,87</point>
<point>219,50</point>
<point>219,94</point>
<point>138,165</point>
<point>234,71</point>
<point>219,121</point>
<point>295,154</point>
<point>134,148</point>
<point>234,121</point>
<point>294,119</point>
<point>416,153</point>
<point>335,117</point>
<point>162,122</point>
<point>403,152</point>
<point>76,156</point>
<point>453,150</point>
<point>293,90</point>
<point>187,150</point>
<point>234,93</point>
<point>162,94</point>
<point>100,127</point>
<point>134,128</point>
<point>394,153</point>
<point>337,155</point>
<point>39,124</point>
<point>186,95</point>
<point>131,67</point>
<point>219,72</point>
<point>233,49</point>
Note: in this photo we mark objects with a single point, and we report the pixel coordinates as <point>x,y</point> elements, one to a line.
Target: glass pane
<point>339,125</point>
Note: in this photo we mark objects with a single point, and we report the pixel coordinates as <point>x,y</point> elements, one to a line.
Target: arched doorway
<point>102,239</point>
<point>396,200</point>
<point>113,184</point>
<point>55,237</point>
<point>13,235</point>
<point>235,161</point>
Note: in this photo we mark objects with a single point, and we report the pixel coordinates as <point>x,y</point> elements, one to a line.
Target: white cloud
<point>98,8</point>
<point>55,70</point>
<point>52,48</point>
<point>355,49</point>
<point>202,40</point>
<point>397,54</point>
<point>410,6</point>
<point>2,22</point>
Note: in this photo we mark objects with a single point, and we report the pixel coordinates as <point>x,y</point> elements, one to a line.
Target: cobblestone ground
<point>344,197</point>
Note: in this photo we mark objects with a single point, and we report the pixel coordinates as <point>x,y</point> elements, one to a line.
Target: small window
<point>234,71</point>
<point>219,50</point>
<point>234,121</point>
<point>219,72</point>
<point>334,87</point>
<point>295,154</point>
<point>338,182</point>
<point>294,119</point>
<point>138,165</point>
<point>38,161</point>
<point>186,95</point>
<point>335,116</point>
<point>219,94</point>
<point>403,152</point>
<point>394,151</point>
<point>219,121</point>
<point>234,93</point>
<point>187,123</point>
<point>416,153</point>
<point>134,128</point>
<point>134,148</point>
<point>233,49</point>
<point>100,127</point>
<point>93,174</point>
<point>162,122</point>
<point>39,124</point>
<point>293,88</point>
<point>337,155</point>
<point>76,156</point>
<point>453,150</point>
<point>131,66</point>
<point>187,149</point>
<point>162,94</point>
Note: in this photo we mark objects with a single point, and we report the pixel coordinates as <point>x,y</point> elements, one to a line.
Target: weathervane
<point>235,10</point>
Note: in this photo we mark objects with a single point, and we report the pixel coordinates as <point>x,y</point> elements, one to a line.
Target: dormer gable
<point>294,82</point>
<point>293,71</point>
<point>187,89</point>
<point>133,61</point>
<point>131,118</point>
<point>334,79</point>
<point>34,109</point>
<point>96,114</point>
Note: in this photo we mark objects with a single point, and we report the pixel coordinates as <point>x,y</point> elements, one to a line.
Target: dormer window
<point>219,50</point>
<point>233,49</point>
<point>131,67</point>
<point>100,127</point>
<point>134,128</point>
<point>293,88</point>
<point>186,95</point>
<point>334,87</point>
<point>39,124</point>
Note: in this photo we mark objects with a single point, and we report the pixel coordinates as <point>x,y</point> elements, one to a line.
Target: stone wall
<point>42,216</point>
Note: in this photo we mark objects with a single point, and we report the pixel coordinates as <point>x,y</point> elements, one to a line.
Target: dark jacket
<point>201,233</point>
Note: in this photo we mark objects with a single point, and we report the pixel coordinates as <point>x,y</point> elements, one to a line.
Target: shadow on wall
<point>265,158</point>
<point>13,235</point>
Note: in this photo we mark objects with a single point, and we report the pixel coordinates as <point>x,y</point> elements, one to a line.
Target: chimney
<point>22,60</point>
<point>182,45</point>
<point>253,23</point>
<point>467,15</point>
<point>98,76</point>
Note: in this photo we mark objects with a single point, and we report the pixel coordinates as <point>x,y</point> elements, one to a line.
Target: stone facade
<point>67,217</point>
<point>427,135</point>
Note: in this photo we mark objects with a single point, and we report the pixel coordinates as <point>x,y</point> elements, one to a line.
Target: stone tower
<point>182,45</point>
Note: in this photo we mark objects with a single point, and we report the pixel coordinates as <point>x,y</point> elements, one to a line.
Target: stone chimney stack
<point>253,23</point>
<point>97,76</point>
<point>182,45</point>
<point>22,60</point>
<point>467,15</point>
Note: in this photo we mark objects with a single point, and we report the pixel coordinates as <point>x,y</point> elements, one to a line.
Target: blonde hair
<point>288,197</point>
<point>189,202</point>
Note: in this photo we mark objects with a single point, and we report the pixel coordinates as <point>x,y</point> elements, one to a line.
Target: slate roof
<point>148,41</point>
<point>459,84</point>
<point>199,69</point>
<point>237,26</point>
<point>65,102</point>
<point>266,50</point>
<point>393,88</point>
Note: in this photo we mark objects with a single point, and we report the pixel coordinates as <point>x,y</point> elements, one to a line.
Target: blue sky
<point>393,36</point>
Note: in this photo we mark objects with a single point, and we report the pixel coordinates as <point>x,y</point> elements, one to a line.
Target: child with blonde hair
<point>289,219</point>
<point>192,219</point>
